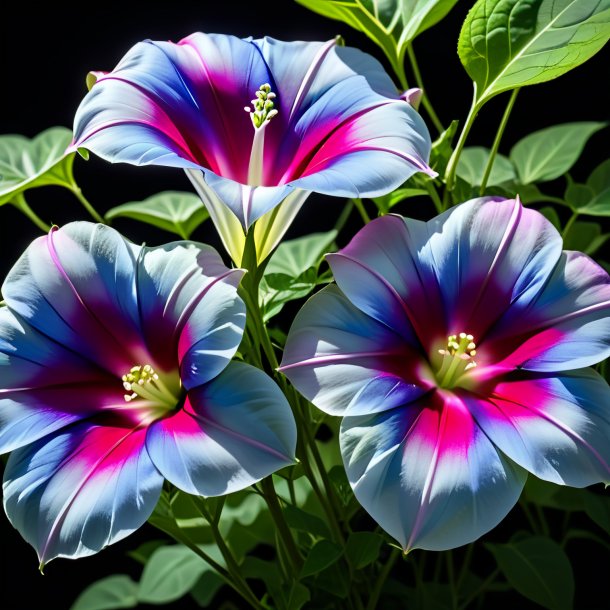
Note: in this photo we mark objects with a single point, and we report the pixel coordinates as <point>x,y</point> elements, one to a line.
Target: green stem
<point>496,144</point>
<point>345,214</point>
<point>383,576</point>
<point>465,565</point>
<point>438,204</point>
<point>398,65</point>
<point>528,515</point>
<point>455,156</point>
<point>77,192</point>
<point>480,589</point>
<point>542,519</point>
<point>451,579</point>
<point>232,565</point>
<point>22,205</point>
<point>282,527</point>
<point>362,210</point>
<point>569,224</point>
<point>420,83</point>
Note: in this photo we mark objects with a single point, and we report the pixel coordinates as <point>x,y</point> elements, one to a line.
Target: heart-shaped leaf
<point>110,593</point>
<point>505,44</point>
<point>391,24</point>
<point>41,161</point>
<point>323,554</point>
<point>551,152</point>
<point>174,211</point>
<point>363,548</point>
<point>173,571</point>
<point>292,271</point>
<point>473,161</point>
<point>599,185</point>
<point>539,569</point>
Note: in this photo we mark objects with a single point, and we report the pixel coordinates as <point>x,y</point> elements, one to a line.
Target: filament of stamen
<point>144,382</point>
<point>262,111</point>
<point>457,359</point>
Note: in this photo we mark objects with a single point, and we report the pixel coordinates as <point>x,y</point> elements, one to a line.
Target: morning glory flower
<point>256,123</point>
<point>115,374</point>
<point>456,351</point>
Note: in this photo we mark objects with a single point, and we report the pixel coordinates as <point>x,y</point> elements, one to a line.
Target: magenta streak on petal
<point>442,446</point>
<point>92,316</point>
<point>310,75</point>
<point>299,166</point>
<point>411,318</point>
<point>182,323</point>
<point>206,421</point>
<point>536,412</point>
<point>505,242</point>
<point>333,358</point>
<point>228,140</point>
<point>533,346</point>
<point>198,297</point>
<point>92,471</point>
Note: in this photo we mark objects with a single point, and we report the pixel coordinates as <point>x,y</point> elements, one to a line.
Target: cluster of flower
<point>455,350</point>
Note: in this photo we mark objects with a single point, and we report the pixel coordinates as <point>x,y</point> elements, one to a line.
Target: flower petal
<point>380,272</point>
<point>566,327</point>
<point>428,474</point>
<point>231,433</point>
<point>555,427</point>
<point>346,362</point>
<point>189,308</point>
<point>77,287</point>
<point>369,153</point>
<point>176,104</point>
<point>491,256</point>
<point>72,494</point>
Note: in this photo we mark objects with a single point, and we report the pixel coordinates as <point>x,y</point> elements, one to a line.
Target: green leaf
<point>585,237</point>
<point>597,508</point>
<point>174,211</point>
<point>599,180</point>
<point>473,161</point>
<point>551,495</point>
<point>297,597</point>
<point>292,271</point>
<point>304,521</point>
<point>599,184</point>
<point>144,551</point>
<point>206,588</point>
<point>578,195</point>
<point>296,256</point>
<point>323,554</point>
<point>41,161</point>
<point>385,203</point>
<point>442,148</point>
<point>173,571</point>
<point>391,24</point>
<point>363,548</point>
<point>505,44</point>
<point>110,593</point>
<point>551,152</point>
<point>539,569</point>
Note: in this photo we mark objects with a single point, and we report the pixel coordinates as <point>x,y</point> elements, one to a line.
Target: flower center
<point>264,110</point>
<point>457,358</point>
<point>144,382</point>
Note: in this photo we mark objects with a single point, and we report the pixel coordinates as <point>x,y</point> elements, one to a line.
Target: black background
<point>45,53</point>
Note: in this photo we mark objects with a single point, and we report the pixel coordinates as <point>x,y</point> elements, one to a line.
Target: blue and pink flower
<point>456,351</point>
<point>115,374</point>
<point>256,123</point>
